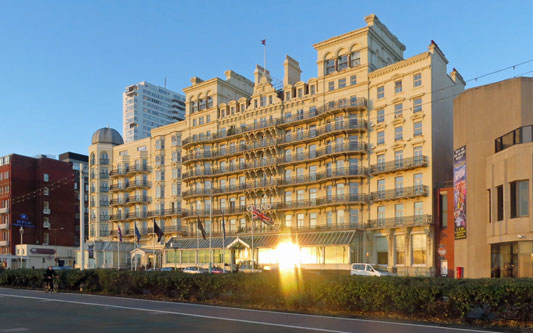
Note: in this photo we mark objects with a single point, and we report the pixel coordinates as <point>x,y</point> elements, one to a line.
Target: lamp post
<point>55,243</point>
<point>21,230</point>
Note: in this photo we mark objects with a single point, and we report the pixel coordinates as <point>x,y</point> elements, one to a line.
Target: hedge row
<point>509,299</point>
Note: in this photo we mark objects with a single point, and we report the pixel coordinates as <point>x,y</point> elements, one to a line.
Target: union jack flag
<point>257,214</point>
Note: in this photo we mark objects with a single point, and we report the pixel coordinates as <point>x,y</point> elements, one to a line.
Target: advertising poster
<point>459,192</point>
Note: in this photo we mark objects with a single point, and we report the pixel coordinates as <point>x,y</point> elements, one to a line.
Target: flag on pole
<point>264,42</point>
<point>257,214</point>
<point>119,234</point>
<point>137,233</point>
<point>223,228</point>
<point>201,228</point>
<point>158,231</point>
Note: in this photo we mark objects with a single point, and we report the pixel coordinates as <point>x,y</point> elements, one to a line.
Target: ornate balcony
<point>404,221</point>
<point>316,134</point>
<point>401,193</point>
<point>118,201</point>
<point>138,184</point>
<point>333,200</point>
<point>117,187</point>
<point>138,199</point>
<point>399,165</point>
<point>329,174</point>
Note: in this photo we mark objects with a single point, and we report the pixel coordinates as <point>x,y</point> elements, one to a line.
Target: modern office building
<point>75,160</point>
<point>36,204</point>
<point>493,142</point>
<point>147,106</point>
<point>346,164</point>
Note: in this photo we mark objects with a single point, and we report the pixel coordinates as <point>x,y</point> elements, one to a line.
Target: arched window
<point>342,62</point>
<point>193,106</point>
<point>93,159</point>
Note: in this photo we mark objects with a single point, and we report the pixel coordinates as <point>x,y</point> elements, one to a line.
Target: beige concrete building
<point>345,163</point>
<point>499,169</point>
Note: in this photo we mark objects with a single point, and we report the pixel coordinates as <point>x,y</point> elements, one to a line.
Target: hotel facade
<point>346,164</point>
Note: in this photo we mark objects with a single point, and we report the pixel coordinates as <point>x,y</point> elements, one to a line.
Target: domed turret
<point>107,135</point>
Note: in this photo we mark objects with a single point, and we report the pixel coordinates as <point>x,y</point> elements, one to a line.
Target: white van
<point>368,270</point>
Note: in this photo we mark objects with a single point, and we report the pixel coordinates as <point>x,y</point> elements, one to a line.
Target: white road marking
<point>20,329</point>
<point>294,314</point>
<point>182,314</point>
<point>267,311</point>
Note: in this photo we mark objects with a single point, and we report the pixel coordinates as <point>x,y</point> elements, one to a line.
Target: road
<point>30,310</point>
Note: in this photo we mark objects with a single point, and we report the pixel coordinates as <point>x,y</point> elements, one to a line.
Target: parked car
<point>368,270</point>
<point>194,270</point>
<point>246,267</point>
<point>216,270</point>
<point>166,269</point>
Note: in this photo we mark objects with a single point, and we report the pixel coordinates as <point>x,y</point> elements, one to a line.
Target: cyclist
<point>50,275</point>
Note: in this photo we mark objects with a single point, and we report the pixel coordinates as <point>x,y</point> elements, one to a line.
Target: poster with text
<point>459,192</point>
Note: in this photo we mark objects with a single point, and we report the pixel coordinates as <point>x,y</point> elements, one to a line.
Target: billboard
<point>459,192</point>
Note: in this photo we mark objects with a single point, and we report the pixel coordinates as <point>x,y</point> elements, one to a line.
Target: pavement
<point>36,311</point>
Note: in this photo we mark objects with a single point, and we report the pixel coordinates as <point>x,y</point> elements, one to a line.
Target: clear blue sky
<point>65,64</point>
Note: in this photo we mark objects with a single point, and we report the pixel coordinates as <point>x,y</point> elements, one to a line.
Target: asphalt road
<point>29,310</point>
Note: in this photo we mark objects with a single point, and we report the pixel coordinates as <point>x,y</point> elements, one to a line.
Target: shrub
<point>509,299</point>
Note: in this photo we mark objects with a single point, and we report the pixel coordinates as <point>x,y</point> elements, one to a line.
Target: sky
<point>65,64</point>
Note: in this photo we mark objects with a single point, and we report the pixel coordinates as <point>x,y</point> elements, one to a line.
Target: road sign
<point>441,251</point>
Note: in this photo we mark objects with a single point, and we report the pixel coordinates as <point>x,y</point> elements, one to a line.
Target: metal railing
<point>403,221</point>
<point>400,193</point>
<point>401,164</point>
<point>352,198</point>
<point>138,183</point>
<point>326,129</point>
<point>311,113</point>
<point>347,172</point>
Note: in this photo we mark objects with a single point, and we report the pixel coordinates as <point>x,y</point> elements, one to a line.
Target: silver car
<point>369,270</point>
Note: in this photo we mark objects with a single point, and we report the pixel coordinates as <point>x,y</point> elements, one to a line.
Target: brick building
<point>37,195</point>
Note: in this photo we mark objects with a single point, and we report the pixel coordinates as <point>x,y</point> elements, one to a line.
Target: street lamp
<point>21,230</point>
<point>55,242</point>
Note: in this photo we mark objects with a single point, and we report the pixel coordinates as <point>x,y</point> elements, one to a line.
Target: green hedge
<point>509,299</point>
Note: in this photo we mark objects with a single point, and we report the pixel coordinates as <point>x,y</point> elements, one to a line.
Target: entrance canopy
<point>269,241</point>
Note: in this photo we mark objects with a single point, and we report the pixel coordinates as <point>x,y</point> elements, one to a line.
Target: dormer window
<point>263,100</point>
<point>300,92</point>
<point>355,59</point>
<point>243,107</point>
<point>342,62</point>
<point>288,95</point>
<point>329,66</point>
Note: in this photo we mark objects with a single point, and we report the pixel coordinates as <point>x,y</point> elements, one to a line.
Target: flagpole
<point>253,257</point>
<point>210,226</point>
<point>223,244</point>
<point>265,57</point>
<point>153,242</point>
<point>137,243</point>
<point>197,244</point>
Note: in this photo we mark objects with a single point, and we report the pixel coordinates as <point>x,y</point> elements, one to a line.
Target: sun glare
<point>288,255</point>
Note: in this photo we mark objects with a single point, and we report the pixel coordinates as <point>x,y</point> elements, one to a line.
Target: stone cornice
<point>340,38</point>
<point>398,65</point>
<point>202,84</point>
